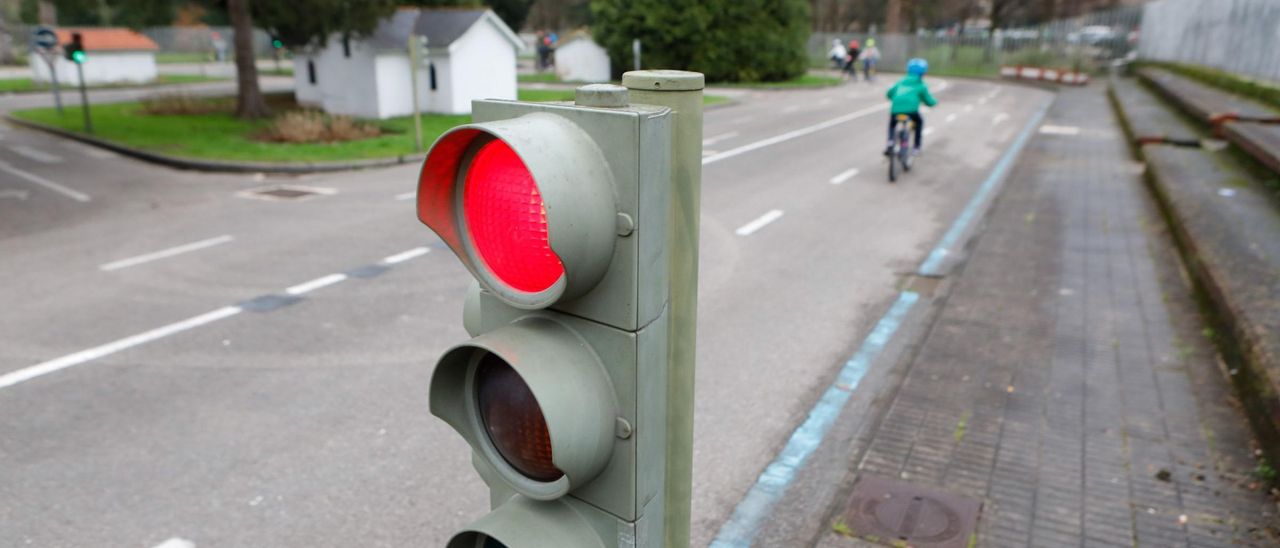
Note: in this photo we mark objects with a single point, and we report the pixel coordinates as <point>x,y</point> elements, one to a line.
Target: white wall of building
<point>344,84</point>
<point>100,67</point>
<point>582,60</point>
<point>306,92</point>
<point>394,87</point>
<point>483,66</point>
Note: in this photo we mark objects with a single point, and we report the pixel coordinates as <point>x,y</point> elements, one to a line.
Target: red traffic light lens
<point>508,221</point>
<point>514,420</point>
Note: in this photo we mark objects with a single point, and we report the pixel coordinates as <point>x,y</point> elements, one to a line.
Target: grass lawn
<point>183,57</point>
<point>802,81</point>
<point>20,85</point>
<point>222,136</point>
<point>539,95</point>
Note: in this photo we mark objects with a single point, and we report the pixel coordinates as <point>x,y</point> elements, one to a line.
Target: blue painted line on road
<point>741,528</point>
<point>949,240</point>
<point>740,531</point>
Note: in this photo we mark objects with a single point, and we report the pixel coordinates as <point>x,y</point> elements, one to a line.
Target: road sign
<point>44,41</point>
<point>561,214</point>
<point>44,38</point>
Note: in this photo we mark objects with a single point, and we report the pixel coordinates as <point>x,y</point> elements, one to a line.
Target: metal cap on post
<point>601,96</point>
<point>681,91</point>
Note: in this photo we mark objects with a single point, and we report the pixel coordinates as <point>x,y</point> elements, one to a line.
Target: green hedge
<point>727,40</point>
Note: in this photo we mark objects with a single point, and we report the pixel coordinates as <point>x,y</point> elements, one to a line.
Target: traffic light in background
<point>74,50</point>
<point>560,212</point>
<point>276,43</point>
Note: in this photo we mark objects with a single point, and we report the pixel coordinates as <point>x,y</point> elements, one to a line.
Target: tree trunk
<point>893,17</point>
<point>48,12</point>
<point>249,101</point>
<point>6,38</point>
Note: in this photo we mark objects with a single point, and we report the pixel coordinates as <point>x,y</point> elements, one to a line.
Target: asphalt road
<point>191,383</point>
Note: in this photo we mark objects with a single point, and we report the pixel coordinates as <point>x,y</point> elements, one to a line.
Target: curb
<point>217,165</point>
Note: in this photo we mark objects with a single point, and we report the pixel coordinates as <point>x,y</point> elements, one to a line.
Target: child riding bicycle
<point>907,95</point>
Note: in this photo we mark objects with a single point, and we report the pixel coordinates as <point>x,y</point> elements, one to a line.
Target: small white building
<point>113,56</point>
<point>581,59</point>
<point>471,54</point>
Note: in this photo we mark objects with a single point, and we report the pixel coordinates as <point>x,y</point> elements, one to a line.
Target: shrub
<point>298,126</point>
<point>179,103</point>
<point>312,126</point>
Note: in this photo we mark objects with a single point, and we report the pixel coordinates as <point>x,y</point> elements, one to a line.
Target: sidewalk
<point>1067,384</point>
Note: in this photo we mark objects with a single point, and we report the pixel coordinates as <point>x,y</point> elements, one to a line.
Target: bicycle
<point>900,152</point>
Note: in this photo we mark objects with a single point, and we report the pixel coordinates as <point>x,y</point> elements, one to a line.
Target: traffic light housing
<point>277,43</point>
<point>74,50</point>
<point>560,212</point>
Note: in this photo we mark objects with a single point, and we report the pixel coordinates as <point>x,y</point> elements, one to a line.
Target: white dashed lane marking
<point>759,223</point>
<point>50,185</point>
<point>165,253</point>
<point>36,154</point>
<point>844,176</point>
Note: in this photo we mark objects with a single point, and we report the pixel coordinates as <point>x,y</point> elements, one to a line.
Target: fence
<point>1241,36</point>
<point>1080,42</point>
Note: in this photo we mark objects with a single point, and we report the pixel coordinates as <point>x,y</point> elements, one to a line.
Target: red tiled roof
<point>102,39</point>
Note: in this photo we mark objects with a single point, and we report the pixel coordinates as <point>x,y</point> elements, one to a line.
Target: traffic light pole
<point>413,84</point>
<point>84,100</point>
<point>681,92</point>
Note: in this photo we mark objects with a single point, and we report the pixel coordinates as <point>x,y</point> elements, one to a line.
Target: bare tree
<point>249,101</point>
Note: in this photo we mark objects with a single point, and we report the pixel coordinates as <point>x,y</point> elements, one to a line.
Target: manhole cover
<point>893,511</point>
<point>285,192</point>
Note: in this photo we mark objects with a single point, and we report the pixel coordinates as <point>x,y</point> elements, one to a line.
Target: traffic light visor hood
<point>533,400</point>
<point>526,203</point>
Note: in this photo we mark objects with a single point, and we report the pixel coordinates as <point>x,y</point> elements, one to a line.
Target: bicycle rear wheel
<point>893,167</point>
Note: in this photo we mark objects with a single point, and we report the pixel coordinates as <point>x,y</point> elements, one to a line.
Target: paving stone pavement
<point>1068,381</point>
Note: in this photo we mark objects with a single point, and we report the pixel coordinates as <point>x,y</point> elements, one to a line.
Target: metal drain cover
<point>285,192</point>
<point>892,512</point>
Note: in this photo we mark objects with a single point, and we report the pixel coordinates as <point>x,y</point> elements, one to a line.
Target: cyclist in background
<point>907,95</point>
<point>869,57</point>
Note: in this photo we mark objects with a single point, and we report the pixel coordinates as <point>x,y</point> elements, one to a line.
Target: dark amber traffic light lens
<point>508,220</point>
<point>514,420</point>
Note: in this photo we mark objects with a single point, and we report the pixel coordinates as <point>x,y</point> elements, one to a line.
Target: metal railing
<point>1081,43</point>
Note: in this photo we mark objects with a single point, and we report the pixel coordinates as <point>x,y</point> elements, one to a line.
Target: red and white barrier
<point>1061,76</point>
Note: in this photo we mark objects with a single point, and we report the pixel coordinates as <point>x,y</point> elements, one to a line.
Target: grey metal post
<point>84,100</point>
<point>635,52</point>
<point>680,91</point>
<point>413,83</point>
<point>57,93</point>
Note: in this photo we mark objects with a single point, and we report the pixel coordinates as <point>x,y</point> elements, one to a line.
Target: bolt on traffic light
<point>560,212</point>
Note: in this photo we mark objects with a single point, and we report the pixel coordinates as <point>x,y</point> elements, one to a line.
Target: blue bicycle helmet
<point>917,67</point>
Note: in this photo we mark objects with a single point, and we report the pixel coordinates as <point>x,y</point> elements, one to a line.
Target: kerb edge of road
<point>757,506</point>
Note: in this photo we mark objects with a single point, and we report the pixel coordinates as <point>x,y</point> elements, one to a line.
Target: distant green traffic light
<point>277,43</point>
<point>74,50</point>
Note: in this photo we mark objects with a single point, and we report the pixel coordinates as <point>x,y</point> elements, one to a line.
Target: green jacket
<point>907,95</point>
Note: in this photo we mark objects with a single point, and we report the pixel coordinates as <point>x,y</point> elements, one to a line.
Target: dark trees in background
<point>512,12</point>
<point>310,23</point>
<point>559,14</point>
<point>728,40</point>
<point>115,13</point>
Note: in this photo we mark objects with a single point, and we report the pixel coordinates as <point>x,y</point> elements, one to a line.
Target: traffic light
<point>560,212</point>
<point>276,43</point>
<point>74,50</point>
